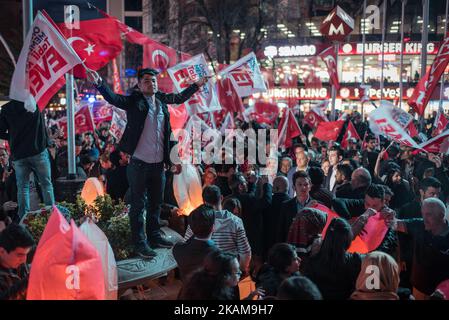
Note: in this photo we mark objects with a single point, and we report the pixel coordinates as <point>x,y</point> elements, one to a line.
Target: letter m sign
<point>337,25</point>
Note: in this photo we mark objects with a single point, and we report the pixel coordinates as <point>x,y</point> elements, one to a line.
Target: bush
<point>118,233</point>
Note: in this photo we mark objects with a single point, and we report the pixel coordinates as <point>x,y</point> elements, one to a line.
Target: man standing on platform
<point>147,140</point>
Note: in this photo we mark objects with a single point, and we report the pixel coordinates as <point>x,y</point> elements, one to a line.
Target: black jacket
<point>271,221</point>
<point>136,107</point>
<point>25,131</point>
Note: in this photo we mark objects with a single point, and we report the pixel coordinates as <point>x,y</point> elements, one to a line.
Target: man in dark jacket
<point>147,140</point>
<point>28,139</point>
<point>273,212</point>
<point>15,244</point>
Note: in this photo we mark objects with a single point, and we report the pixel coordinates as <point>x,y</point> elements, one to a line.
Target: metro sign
<point>337,25</point>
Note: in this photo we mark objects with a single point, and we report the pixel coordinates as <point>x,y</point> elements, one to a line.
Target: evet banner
<point>385,120</point>
<point>45,58</point>
<point>190,71</point>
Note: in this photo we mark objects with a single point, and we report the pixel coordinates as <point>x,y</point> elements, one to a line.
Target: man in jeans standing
<point>147,140</point>
<point>28,139</point>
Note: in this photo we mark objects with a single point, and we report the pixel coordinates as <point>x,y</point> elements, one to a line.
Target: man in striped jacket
<point>229,233</point>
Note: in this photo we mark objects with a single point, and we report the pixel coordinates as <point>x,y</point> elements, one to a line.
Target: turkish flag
<point>329,131</point>
<point>66,266</point>
<point>97,42</point>
<point>351,132</point>
<point>229,99</point>
<point>312,119</point>
<point>101,111</point>
<point>158,56</point>
<point>330,59</point>
<point>288,129</point>
<point>265,112</point>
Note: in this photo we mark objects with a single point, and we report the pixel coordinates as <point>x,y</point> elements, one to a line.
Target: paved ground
<point>165,288</point>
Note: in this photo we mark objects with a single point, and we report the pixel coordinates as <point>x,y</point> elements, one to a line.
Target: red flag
<point>229,99</point>
<point>440,122</point>
<point>329,131</point>
<point>351,132</point>
<point>427,84</point>
<point>97,42</point>
<point>158,56</point>
<point>66,266</point>
<point>227,124</point>
<point>83,122</point>
<point>288,129</point>
<point>116,77</point>
<point>314,117</point>
<point>330,59</point>
<point>265,112</point>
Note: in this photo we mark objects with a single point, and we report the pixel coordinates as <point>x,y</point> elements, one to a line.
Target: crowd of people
<point>248,225</point>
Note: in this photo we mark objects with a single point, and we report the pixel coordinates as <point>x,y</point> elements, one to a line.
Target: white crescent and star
<point>89,49</point>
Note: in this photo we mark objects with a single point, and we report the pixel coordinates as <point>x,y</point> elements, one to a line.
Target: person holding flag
<point>147,140</point>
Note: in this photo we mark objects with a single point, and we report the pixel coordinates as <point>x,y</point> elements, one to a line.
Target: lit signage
<point>290,51</point>
<point>295,93</point>
<point>372,48</point>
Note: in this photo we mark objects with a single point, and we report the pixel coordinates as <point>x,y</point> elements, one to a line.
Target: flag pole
<point>70,100</point>
<point>401,68</point>
<point>424,48</point>
<point>363,51</point>
<point>334,90</point>
<point>440,106</point>
<point>27,16</point>
<point>384,26</point>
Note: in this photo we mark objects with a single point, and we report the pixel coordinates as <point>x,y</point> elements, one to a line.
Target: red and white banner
<point>245,75</point>
<point>116,78</point>
<point>66,266</point>
<point>440,122</point>
<point>190,71</point>
<point>388,120</point>
<point>288,129</point>
<point>351,132</point>
<point>118,123</point>
<point>83,122</point>
<point>316,115</point>
<point>44,59</point>
<point>438,144</point>
<point>330,59</point>
<point>101,111</point>
<point>427,84</point>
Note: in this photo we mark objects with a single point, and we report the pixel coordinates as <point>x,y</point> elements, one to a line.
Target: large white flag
<point>45,57</point>
<point>389,120</point>
<point>192,70</point>
<point>245,76</point>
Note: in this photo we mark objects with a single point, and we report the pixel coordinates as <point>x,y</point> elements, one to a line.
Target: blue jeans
<point>40,165</point>
<point>146,186</point>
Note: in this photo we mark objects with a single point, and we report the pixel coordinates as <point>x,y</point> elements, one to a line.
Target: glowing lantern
<point>187,189</point>
<point>92,189</point>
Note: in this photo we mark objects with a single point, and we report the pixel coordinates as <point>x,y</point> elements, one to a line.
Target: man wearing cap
<point>147,140</point>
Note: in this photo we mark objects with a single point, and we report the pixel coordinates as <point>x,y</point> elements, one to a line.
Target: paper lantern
<point>92,189</point>
<point>66,266</point>
<point>101,243</point>
<point>187,189</point>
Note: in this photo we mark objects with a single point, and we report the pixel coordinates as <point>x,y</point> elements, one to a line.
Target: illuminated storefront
<point>295,64</point>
